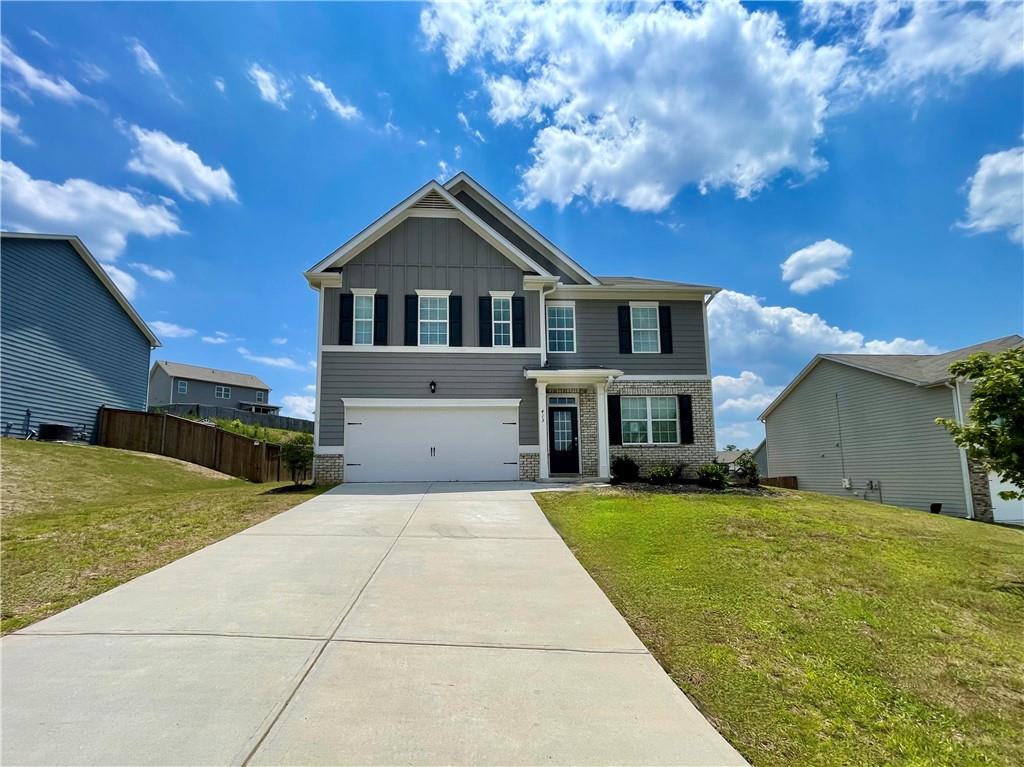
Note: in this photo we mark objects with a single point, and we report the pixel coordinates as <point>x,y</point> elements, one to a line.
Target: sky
<point>851,175</point>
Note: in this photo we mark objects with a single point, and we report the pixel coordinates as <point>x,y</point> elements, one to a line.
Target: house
<point>174,383</point>
<point>761,458</point>
<point>69,340</point>
<point>863,425</point>
<point>458,343</point>
<point>729,458</point>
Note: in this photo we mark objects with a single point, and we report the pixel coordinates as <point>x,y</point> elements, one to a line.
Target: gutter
<point>958,413</point>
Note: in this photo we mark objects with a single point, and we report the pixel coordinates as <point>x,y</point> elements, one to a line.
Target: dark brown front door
<point>564,439</point>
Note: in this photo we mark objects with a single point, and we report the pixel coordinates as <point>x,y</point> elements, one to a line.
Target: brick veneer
<point>328,469</point>
<point>529,467</point>
<point>981,491</point>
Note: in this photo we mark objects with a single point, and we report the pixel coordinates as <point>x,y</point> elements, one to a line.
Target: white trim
<point>224,388</point>
<point>651,420</point>
<point>603,444</point>
<point>329,450</point>
<point>319,364</point>
<point>357,320</point>
<point>495,323</point>
<point>580,376</point>
<point>657,326</point>
<point>547,338</point>
<point>634,377</point>
<point>562,303</point>
<point>644,304</point>
<point>177,386</point>
<point>431,213</point>
<point>559,395</point>
<point>432,349</point>
<point>502,293</point>
<point>639,292</point>
<point>433,293</point>
<point>446,295</point>
<point>529,449</point>
<point>432,402</point>
<point>543,471</point>
<point>363,291</point>
<point>958,412</point>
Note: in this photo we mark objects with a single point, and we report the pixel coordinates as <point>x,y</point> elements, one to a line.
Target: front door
<point>563,436</point>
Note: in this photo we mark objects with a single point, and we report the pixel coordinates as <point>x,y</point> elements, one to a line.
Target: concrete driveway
<point>375,624</point>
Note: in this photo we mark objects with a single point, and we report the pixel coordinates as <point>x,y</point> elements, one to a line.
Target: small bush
<point>713,475</point>
<point>661,475</point>
<point>625,469</point>
<point>297,454</point>
<point>746,469</point>
<point>679,473</point>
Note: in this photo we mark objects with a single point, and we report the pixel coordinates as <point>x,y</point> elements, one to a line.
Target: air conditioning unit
<point>847,483</point>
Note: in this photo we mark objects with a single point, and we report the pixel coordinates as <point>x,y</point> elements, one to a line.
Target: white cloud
<point>343,111</point>
<point>816,266</point>
<point>745,394</point>
<point>146,63</point>
<point>443,171</point>
<point>298,406</point>
<point>57,88</point>
<point>473,132</point>
<point>219,84</point>
<point>458,152</point>
<point>632,103</point>
<point>279,341</point>
<point>156,154</point>
<point>92,73</point>
<point>995,199</point>
<point>11,123</point>
<point>171,330</point>
<point>41,37</point>
<point>163,275</point>
<point>124,281</point>
<point>278,362</point>
<point>420,142</point>
<point>101,216</point>
<point>273,89</point>
<point>219,337</point>
<point>310,388</point>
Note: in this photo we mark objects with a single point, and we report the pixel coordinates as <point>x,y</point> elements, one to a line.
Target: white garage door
<point>436,440</point>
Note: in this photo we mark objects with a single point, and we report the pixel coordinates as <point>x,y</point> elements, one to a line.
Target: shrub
<point>746,469</point>
<point>713,475</point>
<point>297,454</point>
<point>625,469</point>
<point>661,475</point>
<point>679,473</point>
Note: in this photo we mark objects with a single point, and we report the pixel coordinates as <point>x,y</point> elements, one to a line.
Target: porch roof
<point>573,375</point>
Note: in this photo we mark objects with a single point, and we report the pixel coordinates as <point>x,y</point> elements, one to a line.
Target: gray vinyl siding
<point>67,345</point>
<point>159,387</point>
<point>597,341</point>
<point>202,393</point>
<point>888,434</point>
<point>408,375</point>
<point>431,254</point>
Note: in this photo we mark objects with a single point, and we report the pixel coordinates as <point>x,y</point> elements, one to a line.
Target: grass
<point>814,630</point>
<point>256,431</point>
<point>77,521</point>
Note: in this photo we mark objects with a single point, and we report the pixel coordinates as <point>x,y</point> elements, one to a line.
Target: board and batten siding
<point>408,375</point>
<point>887,431</point>
<point>67,345</point>
<point>597,341</point>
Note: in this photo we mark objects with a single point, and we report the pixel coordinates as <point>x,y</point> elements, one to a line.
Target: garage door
<point>435,440</point>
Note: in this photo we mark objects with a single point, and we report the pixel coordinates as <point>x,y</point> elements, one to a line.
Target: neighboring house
<point>761,458</point>
<point>863,425</point>
<point>69,340</point>
<point>729,457</point>
<point>174,383</point>
<point>457,343</point>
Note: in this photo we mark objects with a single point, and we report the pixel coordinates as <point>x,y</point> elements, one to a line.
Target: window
<point>182,387</point>
<point>259,396</point>
<point>643,320</point>
<point>501,320</point>
<point>362,320</point>
<point>222,392</point>
<point>561,327</point>
<point>650,421</point>
<point>433,328</point>
<point>562,400</point>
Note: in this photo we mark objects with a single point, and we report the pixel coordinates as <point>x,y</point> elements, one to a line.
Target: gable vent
<point>434,201</point>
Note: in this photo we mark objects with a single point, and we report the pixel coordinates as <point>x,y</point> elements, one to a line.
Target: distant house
<point>729,457</point>
<point>174,383</point>
<point>863,425</point>
<point>69,340</point>
<point>761,458</point>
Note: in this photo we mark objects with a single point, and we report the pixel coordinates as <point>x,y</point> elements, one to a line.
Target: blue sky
<point>851,175</point>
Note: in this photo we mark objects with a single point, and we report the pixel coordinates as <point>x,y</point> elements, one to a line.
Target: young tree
<point>747,470</point>
<point>297,454</point>
<point>994,432</point>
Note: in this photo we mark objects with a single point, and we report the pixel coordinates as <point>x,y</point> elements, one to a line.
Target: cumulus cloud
<point>101,216</point>
<point>310,388</point>
<point>816,266</point>
<point>175,164</point>
<point>995,198</point>
<point>298,406</point>
<point>341,110</point>
<point>745,394</point>
<point>631,103</point>
<point>163,275</point>
<point>279,341</point>
<point>278,362</point>
<point>273,89</point>
<point>171,330</point>
<point>124,281</point>
<point>11,123</point>
<point>219,337</point>
<point>57,88</point>
<point>443,171</point>
<point>219,84</point>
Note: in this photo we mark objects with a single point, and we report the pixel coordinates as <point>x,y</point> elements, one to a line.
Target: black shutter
<point>486,338</point>
<point>345,334</point>
<point>665,328</point>
<point>380,320</point>
<point>411,319</point>
<point>625,338</point>
<point>614,420</point>
<point>518,321</point>
<point>455,320</point>
<point>685,419</point>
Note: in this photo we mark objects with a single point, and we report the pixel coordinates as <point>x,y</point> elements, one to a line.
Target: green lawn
<point>813,630</point>
<point>77,521</point>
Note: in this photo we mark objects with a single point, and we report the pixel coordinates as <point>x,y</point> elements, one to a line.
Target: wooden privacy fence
<point>269,420</point>
<point>209,446</point>
<point>787,482</point>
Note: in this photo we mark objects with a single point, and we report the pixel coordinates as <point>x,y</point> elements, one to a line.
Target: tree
<point>747,469</point>
<point>994,430</point>
<point>297,454</point>
<point>730,446</point>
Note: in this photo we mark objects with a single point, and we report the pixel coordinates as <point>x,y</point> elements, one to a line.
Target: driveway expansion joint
<point>490,646</point>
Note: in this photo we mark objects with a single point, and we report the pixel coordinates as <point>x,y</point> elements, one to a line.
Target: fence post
<point>163,434</point>
<point>263,462</point>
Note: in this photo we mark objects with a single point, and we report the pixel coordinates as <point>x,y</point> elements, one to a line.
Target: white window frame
<point>657,326</point>
<point>178,388</point>
<point>501,295</point>
<point>259,397</point>
<point>650,420</point>
<point>446,295</point>
<point>547,330</point>
<point>221,392</point>
<point>356,294</point>
<point>569,400</point>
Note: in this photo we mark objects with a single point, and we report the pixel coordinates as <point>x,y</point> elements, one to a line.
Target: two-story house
<point>174,383</point>
<point>458,343</point>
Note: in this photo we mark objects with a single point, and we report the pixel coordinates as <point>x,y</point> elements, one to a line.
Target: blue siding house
<point>69,340</point>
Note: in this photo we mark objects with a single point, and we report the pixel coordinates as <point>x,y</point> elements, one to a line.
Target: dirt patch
<point>195,468</point>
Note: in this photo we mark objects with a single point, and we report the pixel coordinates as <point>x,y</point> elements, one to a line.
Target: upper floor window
<point>182,387</point>
<point>362,320</point>
<point>433,320</point>
<point>259,396</point>
<point>650,420</point>
<point>222,392</point>
<point>646,334</point>
<point>501,320</point>
<point>561,327</point>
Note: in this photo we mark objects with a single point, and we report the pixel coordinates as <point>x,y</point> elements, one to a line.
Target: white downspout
<point>543,326</point>
<point>707,364</point>
<point>958,413</point>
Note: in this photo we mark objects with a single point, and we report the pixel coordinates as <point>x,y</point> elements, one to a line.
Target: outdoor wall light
<point>433,387</point>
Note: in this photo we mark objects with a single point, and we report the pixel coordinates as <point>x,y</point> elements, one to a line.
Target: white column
<point>542,428</point>
<point>603,450</point>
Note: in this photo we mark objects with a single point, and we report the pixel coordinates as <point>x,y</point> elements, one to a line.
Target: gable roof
<point>728,456</point>
<point>100,273</point>
<point>916,369</point>
<point>212,375</point>
<point>644,282</point>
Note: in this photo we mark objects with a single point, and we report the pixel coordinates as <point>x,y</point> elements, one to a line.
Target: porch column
<point>542,428</point>
<point>603,450</point>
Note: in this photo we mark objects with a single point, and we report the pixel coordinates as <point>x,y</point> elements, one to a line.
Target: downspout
<point>958,413</point>
<point>543,323</point>
<point>707,365</point>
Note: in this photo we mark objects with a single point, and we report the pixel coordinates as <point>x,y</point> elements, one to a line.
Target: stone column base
<point>328,469</point>
<point>529,467</point>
